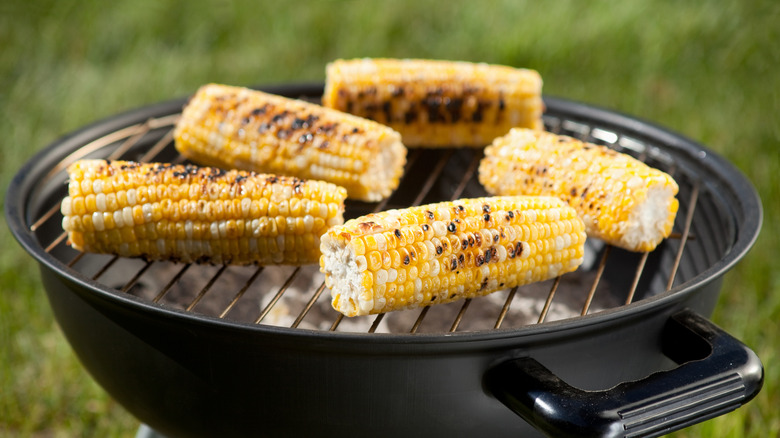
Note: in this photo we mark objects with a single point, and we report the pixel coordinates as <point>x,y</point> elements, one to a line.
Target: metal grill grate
<point>296,296</point>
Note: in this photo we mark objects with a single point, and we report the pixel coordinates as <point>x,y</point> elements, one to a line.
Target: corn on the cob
<point>437,103</point>
<point>191,214</point>
<point>235,127</point>
<point>622,201</point>
<point>438,253</point>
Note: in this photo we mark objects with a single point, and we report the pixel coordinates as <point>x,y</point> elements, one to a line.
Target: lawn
<point>706,70</point>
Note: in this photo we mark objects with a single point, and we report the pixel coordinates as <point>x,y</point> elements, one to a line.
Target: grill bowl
<point>188,372</point>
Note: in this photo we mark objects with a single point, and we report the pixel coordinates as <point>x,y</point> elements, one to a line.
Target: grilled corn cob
<point>437,103</point>
<point>191,214</point>
<point>622,201</point>
<point>438,253</point>
<point>234,127</point>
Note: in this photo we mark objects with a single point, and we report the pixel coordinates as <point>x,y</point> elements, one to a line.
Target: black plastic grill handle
<point>717,374</point>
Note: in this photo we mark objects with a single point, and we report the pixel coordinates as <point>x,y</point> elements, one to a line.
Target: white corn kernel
<point>65,206</point>
<point>131,197</point>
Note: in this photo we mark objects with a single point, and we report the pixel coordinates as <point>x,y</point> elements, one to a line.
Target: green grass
<point>706,70</point>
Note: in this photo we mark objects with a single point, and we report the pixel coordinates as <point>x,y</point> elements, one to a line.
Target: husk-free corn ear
<point>437,253</point>
<point>437,103</point>
<point>235,127</point>
<point>197,214</point>
<point>622,200</point>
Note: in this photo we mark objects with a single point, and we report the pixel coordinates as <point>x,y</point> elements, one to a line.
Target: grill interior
<point>296,296</point>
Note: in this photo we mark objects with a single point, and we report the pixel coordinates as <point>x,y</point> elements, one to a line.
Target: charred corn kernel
<point>437,103</point>
<point>486,246</point>
<point>224,220</point>
<point>622,201</point>
<point>234,127</point>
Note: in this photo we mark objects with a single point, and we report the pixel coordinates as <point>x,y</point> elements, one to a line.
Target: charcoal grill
<point>225,350</point>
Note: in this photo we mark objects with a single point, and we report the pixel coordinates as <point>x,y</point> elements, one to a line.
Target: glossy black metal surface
<point>186,374</point>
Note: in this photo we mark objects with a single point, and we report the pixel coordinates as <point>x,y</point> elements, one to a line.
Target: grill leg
<point>147,432</point>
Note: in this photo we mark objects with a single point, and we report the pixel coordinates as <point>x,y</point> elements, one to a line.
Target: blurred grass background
<point>708,70</point>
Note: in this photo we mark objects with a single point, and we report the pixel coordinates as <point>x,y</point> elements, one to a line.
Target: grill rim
<point>743,200</point>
